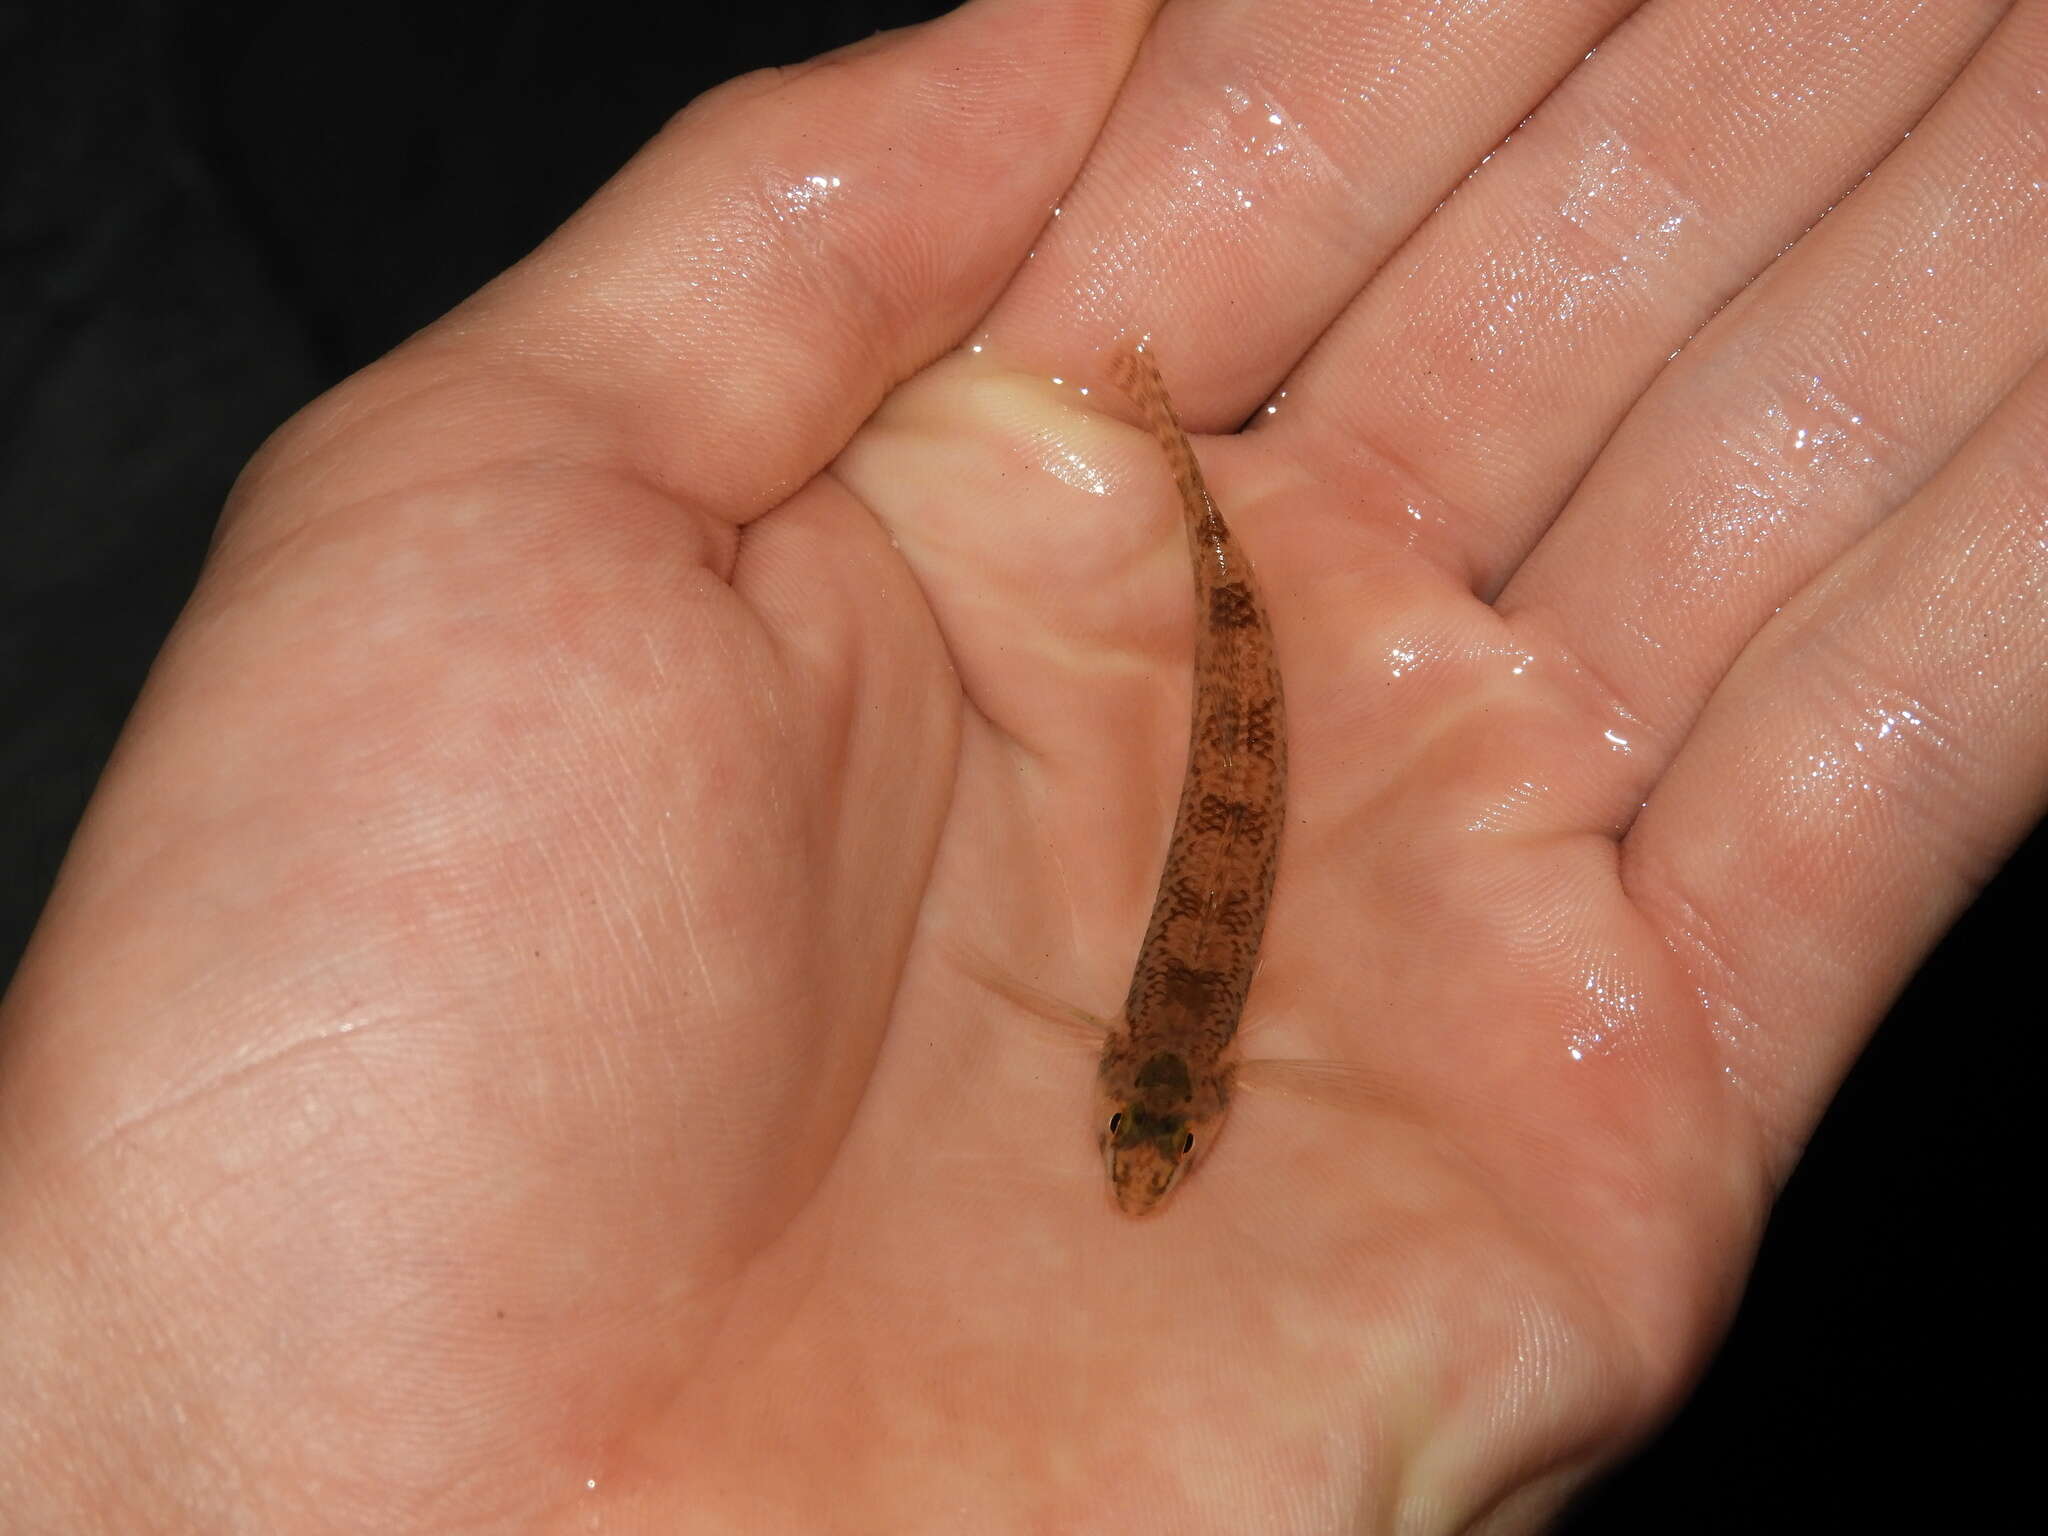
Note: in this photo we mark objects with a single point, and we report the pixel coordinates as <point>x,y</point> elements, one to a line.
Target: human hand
<point>498,1031</point>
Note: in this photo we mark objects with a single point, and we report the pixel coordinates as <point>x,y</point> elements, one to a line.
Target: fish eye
<point>1116,1122</point>
<point>1187,1144</point>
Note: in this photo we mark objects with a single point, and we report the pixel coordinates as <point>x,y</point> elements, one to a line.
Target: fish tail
<point>1135,371</point>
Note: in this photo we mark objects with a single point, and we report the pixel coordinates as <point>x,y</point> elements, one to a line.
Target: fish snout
<point>1142,1176</point>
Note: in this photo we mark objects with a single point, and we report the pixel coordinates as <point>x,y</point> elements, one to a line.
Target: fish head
<point>1153,1127</point>
<point>1145,1155</point>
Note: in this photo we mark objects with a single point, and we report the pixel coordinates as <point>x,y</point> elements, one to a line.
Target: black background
<point>214,211</point>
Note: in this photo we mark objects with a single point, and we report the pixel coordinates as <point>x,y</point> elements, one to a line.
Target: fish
<point>1164,1081</point>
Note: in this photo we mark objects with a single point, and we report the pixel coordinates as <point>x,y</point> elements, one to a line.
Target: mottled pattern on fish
<point>1164,1079</point>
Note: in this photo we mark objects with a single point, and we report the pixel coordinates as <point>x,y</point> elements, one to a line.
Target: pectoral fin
<point>1333,1084</point>
<point>1069,1024</point>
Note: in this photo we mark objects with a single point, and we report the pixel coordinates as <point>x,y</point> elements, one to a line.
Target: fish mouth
<point>1133,1200</point>
<point>1140,1190</point>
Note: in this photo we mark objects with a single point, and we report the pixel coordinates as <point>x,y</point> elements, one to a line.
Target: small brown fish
<point>1165,1079</point>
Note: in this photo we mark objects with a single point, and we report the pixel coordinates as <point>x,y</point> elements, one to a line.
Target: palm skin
<point>499,1055</point>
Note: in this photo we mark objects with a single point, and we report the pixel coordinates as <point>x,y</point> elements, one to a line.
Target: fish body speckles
<point>1163,1084</point>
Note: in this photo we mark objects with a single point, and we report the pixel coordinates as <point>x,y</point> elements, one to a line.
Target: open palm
<point>513,1043</point>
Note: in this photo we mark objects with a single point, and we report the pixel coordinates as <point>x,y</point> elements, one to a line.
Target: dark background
<point>210,212</point>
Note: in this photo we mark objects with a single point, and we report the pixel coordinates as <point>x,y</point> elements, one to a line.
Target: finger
<point>1868,762</point>
<point>1811,409</point>
<point>728,309</point>
<point>1482,372</point>
<point>1261,163</point>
